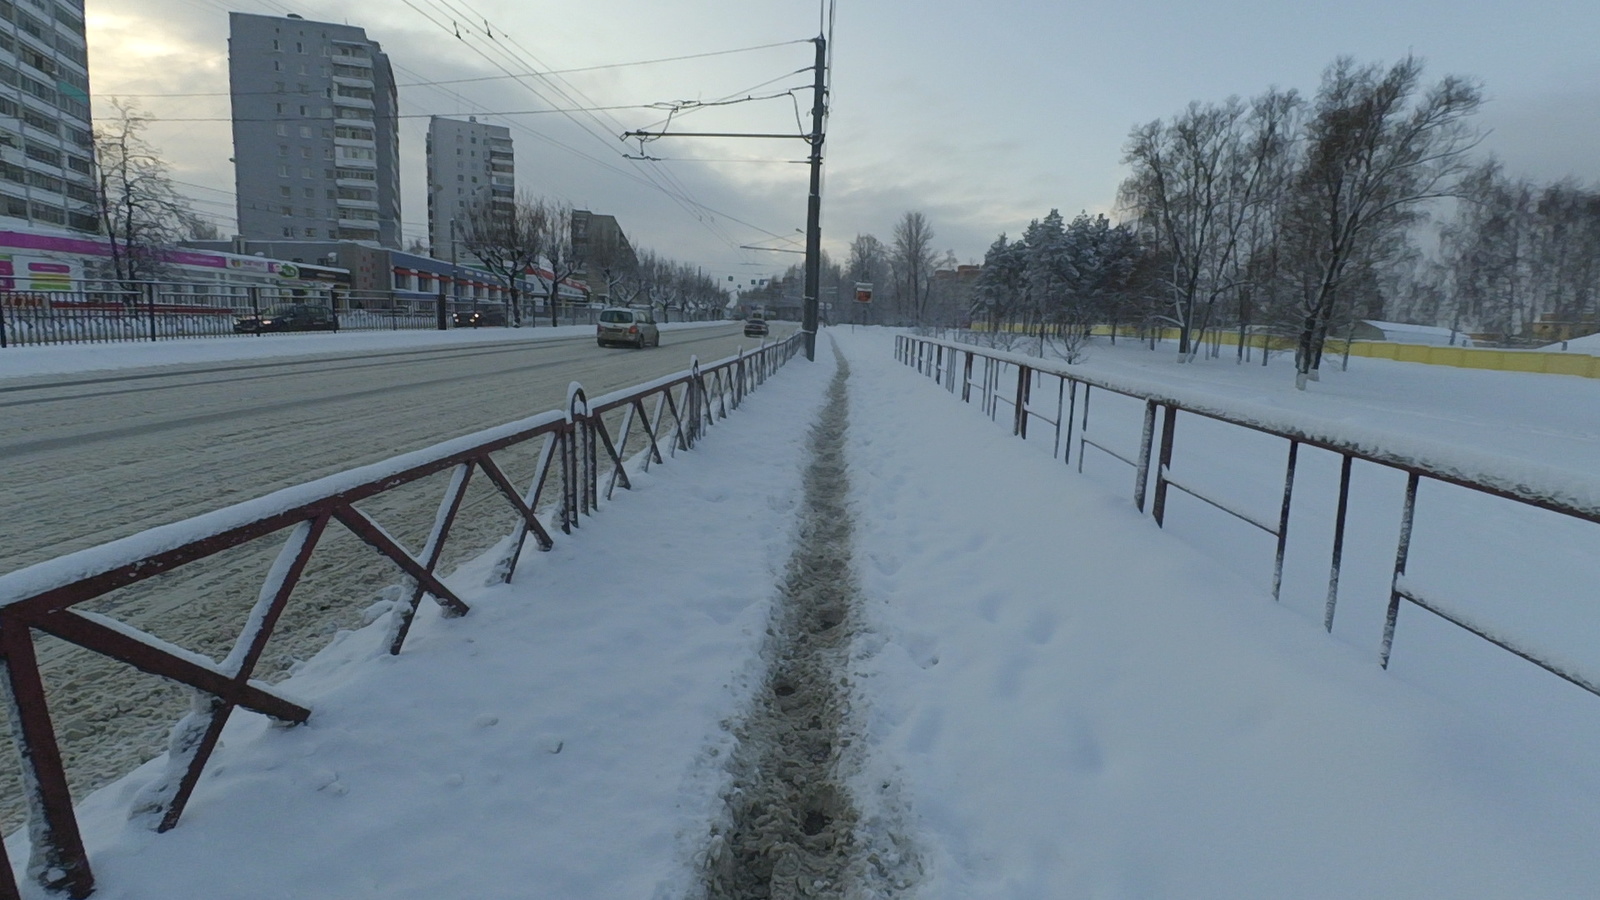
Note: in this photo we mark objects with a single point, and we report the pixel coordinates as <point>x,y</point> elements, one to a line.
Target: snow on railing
<point>580,444</point>
<point>961,368</point>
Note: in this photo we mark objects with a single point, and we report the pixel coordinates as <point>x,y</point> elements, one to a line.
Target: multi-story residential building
<point>469,164</point>
<point>46,140</point>
<point>602,250</point>
<point>316,138</point>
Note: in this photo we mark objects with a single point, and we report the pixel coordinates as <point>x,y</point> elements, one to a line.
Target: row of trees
<point>905,291</point>
<point>1295,217</point>
<point>1292,213</point>
<point>1063,277</point>
<point>535,232</point>
<point>1512,252</point>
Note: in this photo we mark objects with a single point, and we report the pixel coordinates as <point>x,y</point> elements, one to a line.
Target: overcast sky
<point>981,120</point>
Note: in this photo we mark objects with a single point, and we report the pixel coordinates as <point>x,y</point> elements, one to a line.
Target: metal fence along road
<point>582,452</point>
<point>1035,391</point>
<point>154,311</point>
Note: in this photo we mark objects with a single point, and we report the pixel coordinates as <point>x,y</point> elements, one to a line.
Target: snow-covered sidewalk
<point>1050,698</point>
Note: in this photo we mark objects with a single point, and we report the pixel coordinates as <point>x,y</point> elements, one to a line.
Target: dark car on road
<point>479,317</point>
<point>755,327</point>
<point>289,317</point>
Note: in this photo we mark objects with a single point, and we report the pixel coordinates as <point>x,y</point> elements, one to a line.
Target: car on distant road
<point>288,317</point>
<point>755,328</point>
<point>627,327</point>
<point>479,317</point>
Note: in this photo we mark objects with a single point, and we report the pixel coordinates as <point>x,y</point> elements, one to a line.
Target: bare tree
<point>611,260</point>
<point>508,240</point>
<point>1372,159</point>
<point>912,262</point>
<point>1199,184</point>
<point>868,264</point>
<point>560,252</point>
<point>143,213</point>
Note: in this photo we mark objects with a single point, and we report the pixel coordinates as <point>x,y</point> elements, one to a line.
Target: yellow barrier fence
<point>1582,365</point>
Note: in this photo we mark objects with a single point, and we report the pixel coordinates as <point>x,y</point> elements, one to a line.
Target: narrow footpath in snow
<point>793,824</point>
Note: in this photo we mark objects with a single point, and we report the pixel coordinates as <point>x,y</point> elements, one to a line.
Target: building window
<point>311,232</point>
<point>305,131</point>
<point>283,191</point>
<point>283,171</point>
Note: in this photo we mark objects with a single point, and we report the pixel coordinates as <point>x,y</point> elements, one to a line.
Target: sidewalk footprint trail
<point>792,826</point>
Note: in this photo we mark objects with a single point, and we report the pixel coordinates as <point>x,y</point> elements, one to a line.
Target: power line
<point>487,78</point>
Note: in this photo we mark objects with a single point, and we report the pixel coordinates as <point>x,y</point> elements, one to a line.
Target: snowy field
<point>1050,697</point>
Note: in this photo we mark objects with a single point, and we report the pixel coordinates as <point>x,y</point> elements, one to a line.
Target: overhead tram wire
<point>500,49</point>
<point>678,196</point>
<point>674,189</point>
<point>532,71</point>
<point>616,126</point>
<point>486,78</point>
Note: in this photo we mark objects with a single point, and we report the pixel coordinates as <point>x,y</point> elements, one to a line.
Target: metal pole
<point>1407,517</point>
<point>814,205</point>
<point>1338,544</point>
<point>1283,519</point>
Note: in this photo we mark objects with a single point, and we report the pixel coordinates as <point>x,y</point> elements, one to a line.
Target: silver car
<point>627,327</point>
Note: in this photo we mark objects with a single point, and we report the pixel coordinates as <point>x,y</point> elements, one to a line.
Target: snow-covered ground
<point>1049,696</point>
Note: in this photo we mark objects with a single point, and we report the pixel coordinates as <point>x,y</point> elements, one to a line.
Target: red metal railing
<point>961,368</point>
<point>584,444</point>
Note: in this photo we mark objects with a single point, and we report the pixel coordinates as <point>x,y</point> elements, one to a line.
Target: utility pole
<point>813,251</point>
<point>819,107</point>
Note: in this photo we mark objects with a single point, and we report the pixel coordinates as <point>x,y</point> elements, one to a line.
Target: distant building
<point>46,134</point>
<point>599,245</point>
<point>1550,327</point>
<point>469,164</point>
<point>1402,333</point>
<point>316,140</point>
<point>382,277</point>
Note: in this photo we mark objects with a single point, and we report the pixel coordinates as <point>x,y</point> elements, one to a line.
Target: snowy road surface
<point>96,455</point>
<point>1048,697</point>
<point>110,453</point>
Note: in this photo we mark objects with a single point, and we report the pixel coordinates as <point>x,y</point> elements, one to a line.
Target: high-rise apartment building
<point>469,164</point>
<point>316,138</point>
<point>46,140</point>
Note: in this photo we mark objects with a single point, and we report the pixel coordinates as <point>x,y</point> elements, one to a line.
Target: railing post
<point>1406,518</point>
<point>1283,519</point>
<point>1142,477</point>
<point>1071,417</point>
<point>1169,422</point>
<point>1019,424</point>
<point>150,306</point>
<point>966,379</point>
<point>1338,544</point>
<point>58,860</point>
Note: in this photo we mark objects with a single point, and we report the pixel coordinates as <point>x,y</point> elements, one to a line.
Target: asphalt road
<point>90,458</point>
